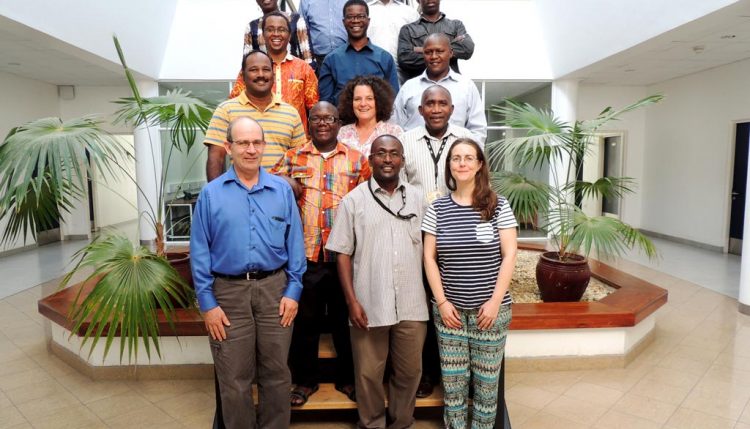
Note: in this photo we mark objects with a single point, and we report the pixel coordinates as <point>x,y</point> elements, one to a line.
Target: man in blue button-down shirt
<point>248,257</point>
<point>359,57</point>
<point>324,24</point>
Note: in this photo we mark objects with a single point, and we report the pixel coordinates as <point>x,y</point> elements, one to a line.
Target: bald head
<point>324,125</point>
<point>436,110</point>
<point>437,53</point>
<point>385,140</point>
<point>433,91</point>
<point>242,121</point>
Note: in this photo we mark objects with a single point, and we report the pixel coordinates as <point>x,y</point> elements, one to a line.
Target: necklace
<point>403,204</point>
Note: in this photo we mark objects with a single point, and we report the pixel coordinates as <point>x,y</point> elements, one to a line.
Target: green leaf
<point>131,283</point>
<point>607,187</point>
<point>45,164</point>
<point>527,198</point>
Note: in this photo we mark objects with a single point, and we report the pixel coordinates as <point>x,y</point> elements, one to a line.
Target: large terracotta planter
<point>562,281</point>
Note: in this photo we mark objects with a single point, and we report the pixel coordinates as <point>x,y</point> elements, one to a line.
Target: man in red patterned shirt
<point>323,171</point>
<point>294,81</point>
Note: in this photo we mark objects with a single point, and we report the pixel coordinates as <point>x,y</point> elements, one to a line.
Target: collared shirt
<point>281,125</point>
<point>236,230</point>
<point>387,252</point>
<point>299,40</point>
<point>325,19</point>
<point>346,63</point>
<point>325,181</point>
<point>419,168</point>
<point>386,20</point>
<point>349,136</point>
<point>414,34</point>
<point>468,107</point>
<point>294,83</point>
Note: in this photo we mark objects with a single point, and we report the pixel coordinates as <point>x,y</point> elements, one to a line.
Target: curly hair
<point>483,199</point>
<point>383,99</point>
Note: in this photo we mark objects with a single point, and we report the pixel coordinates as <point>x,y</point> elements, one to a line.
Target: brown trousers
<point>256,344</point>
<point>370,348</point>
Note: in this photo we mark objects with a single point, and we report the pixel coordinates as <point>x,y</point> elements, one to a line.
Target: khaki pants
<point>371,348</point>
<point>256,344</point>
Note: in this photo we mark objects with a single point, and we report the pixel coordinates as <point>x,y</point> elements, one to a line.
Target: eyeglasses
<point>317,120</point>
<point>383,155</point>
<point>469,159</point>
<point>272,30</point>
<point>245,144</point>
<point>353,18</point>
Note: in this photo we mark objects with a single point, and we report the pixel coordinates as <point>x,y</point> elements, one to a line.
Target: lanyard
<point>403,203</point>
<point>436,158</point>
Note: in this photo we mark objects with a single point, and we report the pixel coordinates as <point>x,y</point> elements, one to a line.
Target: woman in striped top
<point>469,256</point>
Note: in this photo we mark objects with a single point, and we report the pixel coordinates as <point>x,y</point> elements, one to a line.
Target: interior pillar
<point>148,164</point>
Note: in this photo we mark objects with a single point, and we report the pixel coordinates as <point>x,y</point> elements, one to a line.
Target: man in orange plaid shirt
<point>322,171</point>
<point>294,81</point>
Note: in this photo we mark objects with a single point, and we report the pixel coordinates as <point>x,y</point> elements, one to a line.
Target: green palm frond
<point>607,187</point>
<point>607,236</point>
<point>131,283</point>
<point>610,114</point>
<point>45,165</point>
<point>528,198</point>
<point>178,110</point>
<point>545,135</point>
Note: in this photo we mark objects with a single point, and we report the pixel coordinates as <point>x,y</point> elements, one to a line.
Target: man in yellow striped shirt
<point>280,121</point>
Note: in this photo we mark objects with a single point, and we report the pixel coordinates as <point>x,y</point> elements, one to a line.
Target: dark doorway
<point>739,187</point>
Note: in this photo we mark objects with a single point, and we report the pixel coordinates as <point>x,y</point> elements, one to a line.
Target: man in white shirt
<point>386,19</point>
<point>468,109</point>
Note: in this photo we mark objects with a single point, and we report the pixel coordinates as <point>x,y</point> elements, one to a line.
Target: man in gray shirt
<point>377,237</point>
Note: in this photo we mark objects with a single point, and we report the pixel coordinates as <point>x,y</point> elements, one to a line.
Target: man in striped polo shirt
<point>280,121</point>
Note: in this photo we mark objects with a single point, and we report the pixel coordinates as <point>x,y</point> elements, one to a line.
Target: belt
<point>250,275</point>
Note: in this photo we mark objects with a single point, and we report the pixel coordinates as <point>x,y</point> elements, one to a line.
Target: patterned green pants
<point>470,353</point>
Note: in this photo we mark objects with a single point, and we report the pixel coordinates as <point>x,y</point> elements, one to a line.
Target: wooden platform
<point>328,398</point>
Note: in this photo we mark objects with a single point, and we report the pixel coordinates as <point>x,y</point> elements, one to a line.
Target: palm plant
<point>46,164</point>
<point>560,146</point>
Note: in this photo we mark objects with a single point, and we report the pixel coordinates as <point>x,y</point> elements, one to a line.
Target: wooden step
<point>328,398</point>
<point>326,350</point>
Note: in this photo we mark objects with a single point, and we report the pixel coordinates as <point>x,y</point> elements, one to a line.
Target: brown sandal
<point>299,395</point>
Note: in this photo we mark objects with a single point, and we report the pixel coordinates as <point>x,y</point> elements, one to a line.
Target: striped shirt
<point>419,169</point>
<point>387,252</point>
<point>468,249</point>
<point>294,83</point>
<point>281,125</point>
<point>325,181</point>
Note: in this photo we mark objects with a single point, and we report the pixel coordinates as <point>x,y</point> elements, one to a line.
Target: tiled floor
<point>696,374</point>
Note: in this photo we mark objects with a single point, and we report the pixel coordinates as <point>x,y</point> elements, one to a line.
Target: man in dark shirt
<point>412,36</point>
<point>358,57</point>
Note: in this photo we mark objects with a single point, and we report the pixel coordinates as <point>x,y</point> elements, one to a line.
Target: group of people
<point>356,200</point>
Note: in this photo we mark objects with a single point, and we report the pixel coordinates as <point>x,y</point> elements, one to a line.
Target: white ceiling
<point>714,40</point>
<point>35,55</point>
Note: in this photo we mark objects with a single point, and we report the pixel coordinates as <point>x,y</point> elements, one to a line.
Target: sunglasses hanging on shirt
<point>403,204</point>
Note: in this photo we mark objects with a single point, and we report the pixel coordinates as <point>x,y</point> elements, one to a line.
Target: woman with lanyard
<point>469,257</point>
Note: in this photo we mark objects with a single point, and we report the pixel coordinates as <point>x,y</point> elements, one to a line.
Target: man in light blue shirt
<point>358,57</point>
<point>324,22</point>
<point>247,256</point>
<point>468,111</point>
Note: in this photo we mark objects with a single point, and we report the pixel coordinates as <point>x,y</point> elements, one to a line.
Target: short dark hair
<point>244,58</point>
<point>357,3</point>
<point>275,13</point>
<point>383,98</point>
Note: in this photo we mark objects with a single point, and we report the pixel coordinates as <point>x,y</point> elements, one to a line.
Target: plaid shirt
<point>325,181</point>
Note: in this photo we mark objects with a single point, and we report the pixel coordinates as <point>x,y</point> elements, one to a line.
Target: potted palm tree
<point>45,165</point>
<point>542,141</point>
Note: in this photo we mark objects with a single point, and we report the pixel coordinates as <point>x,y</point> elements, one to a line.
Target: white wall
<point>581,32</point>
<point>688,160</point>
<point>14,112</point>
<point>591,101</point>
<point>508,39</point>
<point>206,38</point>
<point>115,199</point>
<point>142,26</point>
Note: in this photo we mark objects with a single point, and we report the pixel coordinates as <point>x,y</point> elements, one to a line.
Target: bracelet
<point>444,301</point>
